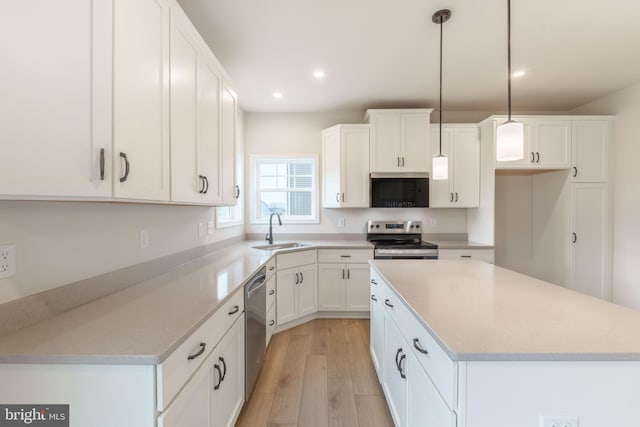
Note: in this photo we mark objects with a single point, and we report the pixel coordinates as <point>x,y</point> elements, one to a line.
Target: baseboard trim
<point>323,315</point>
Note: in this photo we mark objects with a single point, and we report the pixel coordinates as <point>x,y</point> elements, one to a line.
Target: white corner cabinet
<point>345,166</point>
<point>343,279</point>
<point>201,383</point>
<point>399,140</point>
<point>296,284</point>
<point>95,126</point>
<point>461,145</point>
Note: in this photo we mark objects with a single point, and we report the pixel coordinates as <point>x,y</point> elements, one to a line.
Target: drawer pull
<point>217,368</point>
<point>402,375</point>
<point>373,298</point>
<point>465,256</point>
<point>417,346</point>
<point>397,362</point>
<point>388,303</point>
<point>345,256</point>
<point>271,292</point>
<point>203,345</point>
<point>224,368</point>
<point>234,310</point>
<point>271,323</point>
<point>272,268</point>
<point>373,282</point>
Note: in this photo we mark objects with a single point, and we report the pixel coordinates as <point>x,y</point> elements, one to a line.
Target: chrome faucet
<point>269,235</point>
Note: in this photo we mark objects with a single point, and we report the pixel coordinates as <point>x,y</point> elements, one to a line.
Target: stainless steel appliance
<point>399,190</point>
<point>399,240</point>
<point>255,305</point>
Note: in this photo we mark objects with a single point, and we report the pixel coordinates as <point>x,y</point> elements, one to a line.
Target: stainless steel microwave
<point>399,190</point>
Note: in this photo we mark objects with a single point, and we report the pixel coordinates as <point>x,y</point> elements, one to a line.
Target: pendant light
<point>440,168</point>
<point>510,134</point>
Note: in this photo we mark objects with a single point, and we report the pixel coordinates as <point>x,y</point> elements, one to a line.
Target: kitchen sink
<point>277,246</point>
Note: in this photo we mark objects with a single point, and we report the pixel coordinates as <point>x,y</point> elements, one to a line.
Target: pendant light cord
<point>441,85</point>
<point>509,55</point>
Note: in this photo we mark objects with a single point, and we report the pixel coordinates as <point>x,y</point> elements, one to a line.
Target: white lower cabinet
<point>343,287</point>
<point>486,255</point>
<point>394,378</point>
<point>296,286</point>
<point>376,331</point>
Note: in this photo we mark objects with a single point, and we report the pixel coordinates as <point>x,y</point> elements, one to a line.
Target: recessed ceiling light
<point>518,73</point>
<point>277,95</point>
<point>318,74</point>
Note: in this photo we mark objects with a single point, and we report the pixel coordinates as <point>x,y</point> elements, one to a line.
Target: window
<point>286,186</point>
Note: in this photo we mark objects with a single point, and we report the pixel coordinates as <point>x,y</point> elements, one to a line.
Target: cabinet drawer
<point>174,372</point>
<point>271,322</point>
<point>296,259</point>
<point>271,292</point>
<point>345,255</point>
<point>485,255</point>
<point>271,267</point>
<point>441,369</point>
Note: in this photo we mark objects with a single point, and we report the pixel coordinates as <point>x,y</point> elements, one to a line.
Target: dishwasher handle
<point>256,282</point>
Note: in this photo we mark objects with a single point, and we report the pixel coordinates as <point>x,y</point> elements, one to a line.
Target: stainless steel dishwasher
<point>255,303</point>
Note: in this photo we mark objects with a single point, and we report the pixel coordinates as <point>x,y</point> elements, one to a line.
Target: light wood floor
<point>318,374</point>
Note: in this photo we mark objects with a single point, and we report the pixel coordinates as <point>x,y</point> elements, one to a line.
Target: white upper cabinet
<point>399,140</point>
<point>591,148</point>
<point>461,145</point>
<point>55,137</point>
<point>230,190</point>
<point>547,144</point>
<point>141,99</point>
<point>345,163</point>
<point>195,117</point>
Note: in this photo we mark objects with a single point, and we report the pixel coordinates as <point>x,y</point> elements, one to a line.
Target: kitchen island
<point>469,344</point>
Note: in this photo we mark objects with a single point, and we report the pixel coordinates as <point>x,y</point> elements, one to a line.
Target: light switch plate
<point>7,261</point>
<point>144,238</point>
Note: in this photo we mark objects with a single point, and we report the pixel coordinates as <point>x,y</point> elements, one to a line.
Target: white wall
<point>299,133</point>
<point>625,104</point>
<point>63,242</point>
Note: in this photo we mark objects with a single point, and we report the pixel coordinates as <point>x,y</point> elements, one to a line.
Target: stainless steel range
<point>399,240</point>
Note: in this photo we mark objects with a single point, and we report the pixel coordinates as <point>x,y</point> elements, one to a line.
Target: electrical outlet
<point>340,222</point>
<point>201,229</point>
<point>7,261</point>
<point>433,222</point>
<point>210,227</point>
<point>558,421</point>
<point>144,238</point>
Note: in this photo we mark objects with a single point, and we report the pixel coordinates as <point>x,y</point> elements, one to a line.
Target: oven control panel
<point>394,227</point>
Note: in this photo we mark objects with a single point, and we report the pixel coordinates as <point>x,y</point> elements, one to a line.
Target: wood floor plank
<point>267,381</point>
<point>314,411</point>
<point>337,359</point>
<point>373,412</point>
<point>286,402</point>
<point>256,411</point>
<point>319,337</point>
<point>363,374</point>
<point>342,403</point>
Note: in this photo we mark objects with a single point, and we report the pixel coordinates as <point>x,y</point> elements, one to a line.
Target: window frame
<point>254,200</point>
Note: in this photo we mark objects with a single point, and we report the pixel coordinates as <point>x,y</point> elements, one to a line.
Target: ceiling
<point>382,53</point>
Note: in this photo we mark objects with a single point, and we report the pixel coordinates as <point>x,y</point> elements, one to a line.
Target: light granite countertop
<point>480,312</point>
<point>144,323</point>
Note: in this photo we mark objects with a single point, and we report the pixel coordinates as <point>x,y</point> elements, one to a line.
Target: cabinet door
<point>185,183</point>
<point>331,168</point>
<point>553,144</point>
<point>376,330</point>
<point>393,384</point>
<point>307,290</point>
<point>590,264</point>
<point>385,143</point>
<point>425,407</point>
<point>529,156</point>
<point>287,282</point>
<point>331,287</point>
<point>440,191</point>
<point>357,287</point>
<point>141,99</point>
<point>192,406</point>
<point>355,167</point>
<point>209,149</point>
<point>414,137</point>
<point>229,129</point>
<point>56,98</point>
<point>466,168</point>
<point>591,147</point>
<point>227,394</point>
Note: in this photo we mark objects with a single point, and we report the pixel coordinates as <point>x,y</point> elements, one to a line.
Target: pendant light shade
<point>510,134</point>
<point>440,168</point>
